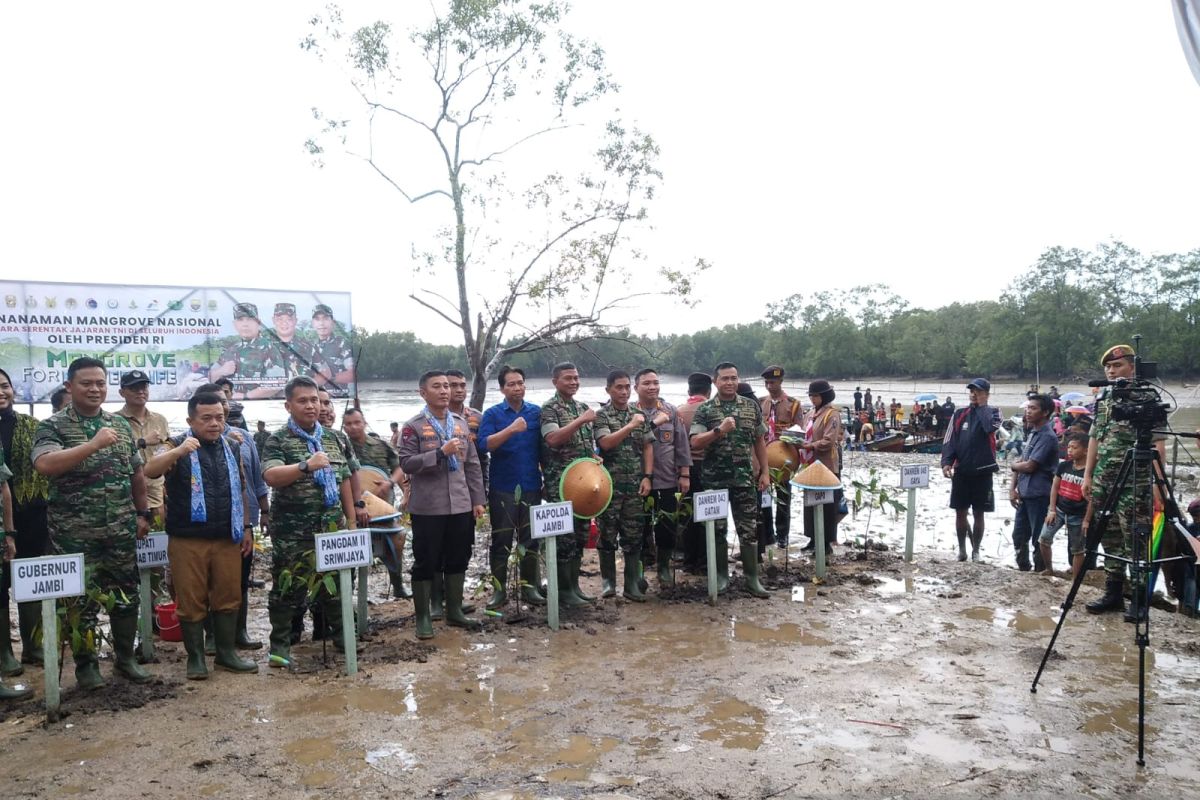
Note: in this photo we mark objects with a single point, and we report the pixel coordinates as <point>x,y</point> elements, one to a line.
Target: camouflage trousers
<point>623,521</point>
<point>110,568</point>
<point>570,545</point>
<point>294,555</point>
<point>743,502</point>
<point>1118,534</point>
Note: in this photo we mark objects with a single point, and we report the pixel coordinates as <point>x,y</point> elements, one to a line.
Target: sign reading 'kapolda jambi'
<point>181,337</point>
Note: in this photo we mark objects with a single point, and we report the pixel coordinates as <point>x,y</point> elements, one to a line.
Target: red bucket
<point>168,623</point>
<point>593,535</point>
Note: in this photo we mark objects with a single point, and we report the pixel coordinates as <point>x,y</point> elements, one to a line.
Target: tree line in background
<point>1073,303</point>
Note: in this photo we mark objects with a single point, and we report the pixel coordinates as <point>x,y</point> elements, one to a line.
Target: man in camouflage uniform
<point>730,428</point>
<point>252,359</point>
<point>1109,441</point>
<point>309,469</point>
<point>372,451</point>
<point>627,444</point>
<point>332,348</point>
<point>98,507</point>
<point>566,436</point>
<point>298,355</point>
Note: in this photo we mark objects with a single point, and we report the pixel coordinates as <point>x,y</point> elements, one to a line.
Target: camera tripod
<point>1141,465</point>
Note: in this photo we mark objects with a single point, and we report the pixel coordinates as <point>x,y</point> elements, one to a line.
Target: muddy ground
<point>887,680</point>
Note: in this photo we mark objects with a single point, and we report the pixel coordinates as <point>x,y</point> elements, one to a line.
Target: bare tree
<point>481,71</point>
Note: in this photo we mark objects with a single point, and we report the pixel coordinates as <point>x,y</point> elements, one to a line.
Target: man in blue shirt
<point>1033,475</point>
<point>511,434</point>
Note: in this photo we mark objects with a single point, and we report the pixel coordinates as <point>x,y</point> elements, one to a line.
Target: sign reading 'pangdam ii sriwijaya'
<point>181,337</point>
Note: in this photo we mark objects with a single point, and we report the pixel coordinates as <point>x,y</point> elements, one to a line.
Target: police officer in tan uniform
<point>780,412</point>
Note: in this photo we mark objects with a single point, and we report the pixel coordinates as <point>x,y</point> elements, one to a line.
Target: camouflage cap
<point>285,308</point>
<point>321,308</point>
<point>1116,352</point>
<point>245,310</point>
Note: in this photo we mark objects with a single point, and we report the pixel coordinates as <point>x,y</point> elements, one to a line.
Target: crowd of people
<point>92,482</point>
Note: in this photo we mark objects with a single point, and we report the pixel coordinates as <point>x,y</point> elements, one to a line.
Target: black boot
<point>399,590</point>
<point>9,665</point>
<point>962,546</point>
<point>1139,606</point>
<point>244,642</point>
<point>1112,599</point>
<point>29,616</point>
<point>529,579</point>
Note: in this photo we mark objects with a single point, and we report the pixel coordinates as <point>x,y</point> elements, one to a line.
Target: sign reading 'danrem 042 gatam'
<point>181,337</point>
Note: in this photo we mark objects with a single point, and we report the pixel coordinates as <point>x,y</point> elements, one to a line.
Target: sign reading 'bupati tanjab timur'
<point>181,337</point>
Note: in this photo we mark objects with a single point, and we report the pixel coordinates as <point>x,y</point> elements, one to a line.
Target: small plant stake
<point>151,554</point>
<point>912,477</point>
<point>343,551</point>
<point>549,521</point>
<point>47,579</point>
<point>708,507</point>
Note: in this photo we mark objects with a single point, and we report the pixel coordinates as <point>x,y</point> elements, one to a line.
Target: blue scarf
<point>199,508</point>
<point>323,476</point>
<point>445,433</point>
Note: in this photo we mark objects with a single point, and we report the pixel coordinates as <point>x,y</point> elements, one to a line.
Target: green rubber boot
<point>666,575</point>
<point>210,639</point>
<point>750,569</point>
<point>193,643</point>
<point>437,597</point>
<point>87,672</point>
<point>576,566</point>
<point>608,573</point>
<point>225,631</point>
<point>9,666</point>
<point>424,620</point>
<point>633,563</point>
<point>399,590</point>
<point>566,594</point>
<point>454,604</point>
<point>243,641</point>
<point>22,693</point>
<point>722,565</point>
<point>124,631</point>
<point>499,582</point>
<point>281,636</point>
<point>530,581</point>
<point>29,616</point>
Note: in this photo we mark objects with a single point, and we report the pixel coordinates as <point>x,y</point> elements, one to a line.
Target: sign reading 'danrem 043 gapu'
<point>181,337</point>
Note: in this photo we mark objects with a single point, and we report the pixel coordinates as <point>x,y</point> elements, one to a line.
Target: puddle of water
<point>646,746</point>
<point>943,747</point>
<point>337,701</point>
<point>1010,618</point>
<point>579,756</point>
<point>734,724</point>
<point>312,750</point>
<point>1113,718</point>
<point>786,633</point>
<point>893,585</point>
<point>319,779</point>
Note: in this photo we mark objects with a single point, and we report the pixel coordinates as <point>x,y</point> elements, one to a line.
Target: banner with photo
<point>180,337</point>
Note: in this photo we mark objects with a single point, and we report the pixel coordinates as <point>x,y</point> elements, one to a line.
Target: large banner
<point>180,337</point>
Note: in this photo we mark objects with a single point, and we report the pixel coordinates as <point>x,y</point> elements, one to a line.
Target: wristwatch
<point>360,503</point>
<point>303,466</point>
<point>146,515</point>
<point>647,476</point>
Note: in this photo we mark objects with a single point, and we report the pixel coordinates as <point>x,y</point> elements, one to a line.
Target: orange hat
<point>1115,352</point>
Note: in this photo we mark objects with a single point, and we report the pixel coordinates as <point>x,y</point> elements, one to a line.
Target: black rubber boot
<point>399,590</point>
<point>282,620</point>
<point>1139,606</point>
<point>9,666</point>
<point>454,604</point>
<point>576,566</point>
<point>424,621</point>
<point>193,644</point>
<point>975,542</point>
<point>225,630</point>
<point>499,584</point>
<point>243,641</point>
<point>1112,599</point>
<point>29,616</point>
<point>297,626</point>
<point>750,569</point>
<point>608,573</point>
<point>124,631</point>
<point>530,580</point>
<point>631,590</point>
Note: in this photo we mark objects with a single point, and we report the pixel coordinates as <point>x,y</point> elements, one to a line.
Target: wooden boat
<point>891,443</point>
<point>924,444</point>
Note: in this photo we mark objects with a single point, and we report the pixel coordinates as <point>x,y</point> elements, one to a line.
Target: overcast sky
<point>939,147</point>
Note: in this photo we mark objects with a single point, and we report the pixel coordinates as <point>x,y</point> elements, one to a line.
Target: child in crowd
<point>1067,505</point>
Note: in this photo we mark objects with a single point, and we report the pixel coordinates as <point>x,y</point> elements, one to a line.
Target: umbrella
<point>925,398</point>
<point>1071,397</point>
<point>1077,410</point>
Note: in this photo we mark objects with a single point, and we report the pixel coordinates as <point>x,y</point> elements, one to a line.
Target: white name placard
<point>764,500</point>
<point>343,550</point>
<point>914,476</point>
<point>551,519</point>
<point>152,551</point>
<point>710,505</point>
<point>47,577</point>
<point>817,497</point>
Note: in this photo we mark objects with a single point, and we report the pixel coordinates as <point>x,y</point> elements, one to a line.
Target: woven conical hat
<point>783,457</point>
<point>587,484</point>
<point>375,481</point>
<point>817,476</point>
<point>378,507</point>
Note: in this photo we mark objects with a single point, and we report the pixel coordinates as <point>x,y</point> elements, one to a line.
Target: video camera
<point>1136,400</point>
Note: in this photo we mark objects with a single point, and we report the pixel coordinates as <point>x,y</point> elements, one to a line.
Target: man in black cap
<point>298,354</point>
<point>780,413</point>
<point>149,430</point>
<point>699,390</point>
<point>331,347</point>
<point>251,360</point>
<point>969,460</point>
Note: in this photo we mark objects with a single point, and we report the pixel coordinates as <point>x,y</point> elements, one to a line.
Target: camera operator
<point>1109,441</point>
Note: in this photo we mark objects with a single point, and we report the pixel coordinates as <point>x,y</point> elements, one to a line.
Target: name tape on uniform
<point>710,505</point>
<point>817,497</point>
<point>914,476</point>
<point>152,551</point>
<point>551,519</point>
<point>47,577</point>
<point>343,550</point>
